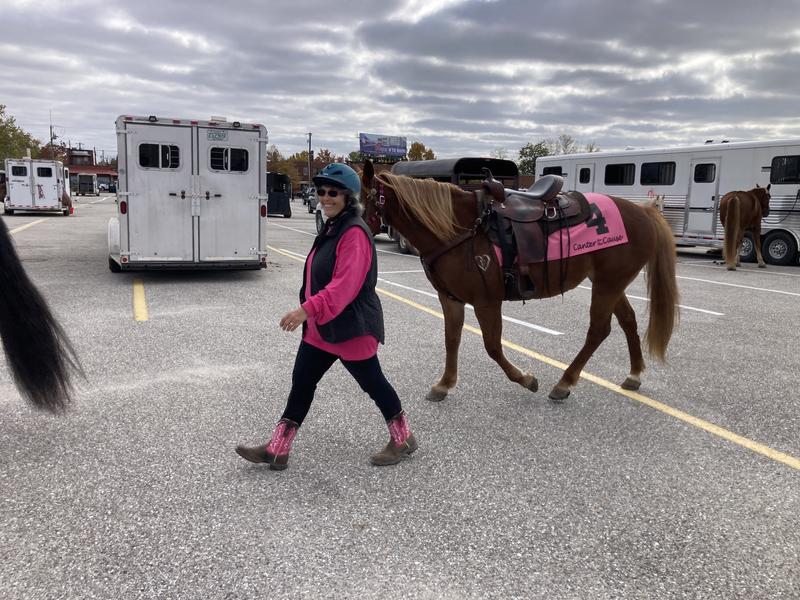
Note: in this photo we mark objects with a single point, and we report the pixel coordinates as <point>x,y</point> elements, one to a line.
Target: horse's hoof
<point>731,268</point>
<point>533,385</point>
<point>762,266</point>
<point>435,395</point>
<point>558,395</point>
<point>631,384</point>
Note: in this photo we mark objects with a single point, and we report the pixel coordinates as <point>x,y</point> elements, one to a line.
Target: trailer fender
<point>113,237</point>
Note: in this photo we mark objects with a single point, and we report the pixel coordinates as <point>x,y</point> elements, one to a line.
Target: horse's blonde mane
<point>428,201</point>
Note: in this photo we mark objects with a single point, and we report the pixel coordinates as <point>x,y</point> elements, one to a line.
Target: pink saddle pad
<point>603,230</point>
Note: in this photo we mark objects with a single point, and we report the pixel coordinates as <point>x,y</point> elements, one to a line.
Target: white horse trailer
<point>191,194</point>
<point>692,180</point>
<point>36,185</point>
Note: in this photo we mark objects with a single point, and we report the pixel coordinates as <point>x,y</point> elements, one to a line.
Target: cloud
<point>462,76</point>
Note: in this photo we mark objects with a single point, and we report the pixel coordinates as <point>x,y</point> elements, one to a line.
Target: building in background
<point>83,162</point>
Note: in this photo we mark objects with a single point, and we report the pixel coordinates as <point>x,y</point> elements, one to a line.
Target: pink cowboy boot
<point>401,442</point>
<point>276,453</point>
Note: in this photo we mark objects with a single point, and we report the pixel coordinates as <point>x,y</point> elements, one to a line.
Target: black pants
<point>312,363</point>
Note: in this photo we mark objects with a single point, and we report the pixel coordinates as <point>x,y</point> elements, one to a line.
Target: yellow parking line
<point>139,302</point>
<point>771,453</point>
<point>24,227</point>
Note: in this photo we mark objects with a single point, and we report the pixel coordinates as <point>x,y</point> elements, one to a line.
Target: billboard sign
<point>373,145</point>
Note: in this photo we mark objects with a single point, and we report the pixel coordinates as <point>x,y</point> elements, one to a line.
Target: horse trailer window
<point>785,169</point>
<point>658,173</point>
<point>159,156</point>
<point>170,157</point>
<point>44,171</point>
<point>229,159</point>
<point>552,171</point>
<point>620,174</point>
<point>705,173</point>
<point>19,171</point>
<point>585,175</point>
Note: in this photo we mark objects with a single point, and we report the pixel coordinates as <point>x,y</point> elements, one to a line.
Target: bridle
<point>378,198</point>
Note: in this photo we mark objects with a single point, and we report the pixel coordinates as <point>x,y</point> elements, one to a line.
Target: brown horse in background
<point>432,214</point>
<point>739,212</point>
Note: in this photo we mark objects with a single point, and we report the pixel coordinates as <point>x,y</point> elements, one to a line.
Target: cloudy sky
<point>464,77</point>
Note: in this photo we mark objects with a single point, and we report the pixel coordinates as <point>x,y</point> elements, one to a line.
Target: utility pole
<point>52,137</point>
<point>310,174</point>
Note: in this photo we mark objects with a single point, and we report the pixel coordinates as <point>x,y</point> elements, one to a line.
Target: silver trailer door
<point>19,177</point>
<point>703,197</point>
<point>45,186</point>
<point>229,167</point>
<point>159,186</point>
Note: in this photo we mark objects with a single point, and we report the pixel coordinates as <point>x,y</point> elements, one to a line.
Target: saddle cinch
<point>520,223</point>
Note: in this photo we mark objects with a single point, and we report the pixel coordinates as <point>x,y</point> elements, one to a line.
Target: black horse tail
<point>39,354</point>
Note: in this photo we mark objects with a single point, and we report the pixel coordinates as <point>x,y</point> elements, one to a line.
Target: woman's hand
<point>293,319</point>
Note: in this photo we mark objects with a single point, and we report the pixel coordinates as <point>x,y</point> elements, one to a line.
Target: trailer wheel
<point>405,246</point>
<point>288,213</point>
<point>747,253</point>
<point>779,248</point>
<point>320,222</point>
<point>113,266</point>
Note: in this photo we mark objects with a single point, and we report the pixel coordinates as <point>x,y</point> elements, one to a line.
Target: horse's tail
<point>662,288</point>
<point>732,220</point>
<point>38,352</point>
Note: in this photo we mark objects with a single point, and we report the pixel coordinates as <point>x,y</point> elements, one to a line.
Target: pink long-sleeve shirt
<point>353,261</point>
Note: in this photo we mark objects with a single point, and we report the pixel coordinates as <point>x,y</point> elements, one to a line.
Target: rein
<point>429,260</point>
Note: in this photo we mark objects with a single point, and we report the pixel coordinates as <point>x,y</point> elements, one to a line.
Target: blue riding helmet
<point>339,174</point>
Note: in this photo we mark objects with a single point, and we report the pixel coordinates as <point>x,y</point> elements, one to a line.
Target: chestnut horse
<point>38,352</point>
<point>432,214</point>
<point>739,212</point>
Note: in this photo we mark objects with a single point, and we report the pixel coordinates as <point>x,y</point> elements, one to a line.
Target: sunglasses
<point>331,193</point>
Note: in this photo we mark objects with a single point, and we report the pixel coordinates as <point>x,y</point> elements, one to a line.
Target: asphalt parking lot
<point>688,489</point>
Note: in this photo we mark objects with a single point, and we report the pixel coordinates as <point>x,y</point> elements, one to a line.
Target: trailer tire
<point>320,222</point>
<point>747,253</point>
<point>405,246</point>
<point>288,213</point>
<point>113,266</point>
<point>779,248</point>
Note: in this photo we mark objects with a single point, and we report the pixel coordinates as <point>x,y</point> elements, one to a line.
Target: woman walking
<point>342,319</point>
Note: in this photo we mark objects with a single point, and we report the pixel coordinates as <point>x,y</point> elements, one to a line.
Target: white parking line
<point>736,285</point>
<point>509,319</point>
<point>683,306</point>
<point>719,267</point>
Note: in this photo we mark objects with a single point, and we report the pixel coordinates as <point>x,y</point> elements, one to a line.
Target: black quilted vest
<point>363,316</point>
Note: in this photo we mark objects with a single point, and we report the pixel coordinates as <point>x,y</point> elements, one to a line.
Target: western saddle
<point>520,223</point>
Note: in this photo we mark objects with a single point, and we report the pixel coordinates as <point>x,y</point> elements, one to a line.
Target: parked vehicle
<point>36,185</point>
<point>311,200</point>
<point>279,188</point>
<point>466,172</point>
<point>191,194</point>
<point>87,184</point>
<point>692,180</point>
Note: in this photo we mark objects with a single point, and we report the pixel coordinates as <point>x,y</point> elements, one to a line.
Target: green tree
<point>528,155</point>
<point>418,151</point>
<point>14,141</point>
<point>355,157</point>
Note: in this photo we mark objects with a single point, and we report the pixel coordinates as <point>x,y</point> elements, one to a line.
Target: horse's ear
<point>757,186</point>
<point>769,185</point>
<point>369,170</point>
